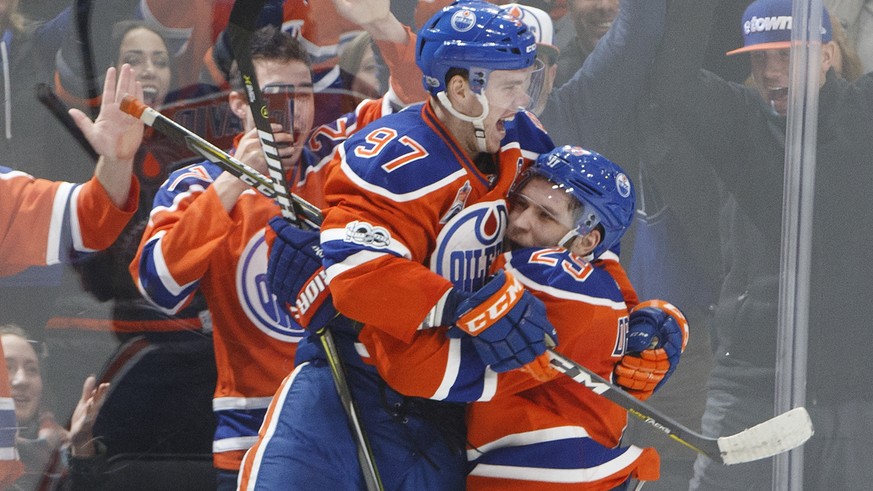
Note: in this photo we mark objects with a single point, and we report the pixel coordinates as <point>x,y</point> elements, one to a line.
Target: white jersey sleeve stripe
<point>567,476</point>
<point>450,375</point>
<point>75,226</point>
<point>352,262</point>
<point>559,293</point>
<point>528,438</point>
<point>400,198</point>
<point>240,403</point>
<point>56,226</point>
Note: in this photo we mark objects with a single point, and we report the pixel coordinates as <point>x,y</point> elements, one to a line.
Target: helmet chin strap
<point>567,240</point>
<point>478,121</point>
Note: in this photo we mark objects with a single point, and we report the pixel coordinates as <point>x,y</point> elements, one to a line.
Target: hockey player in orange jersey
<point>415,195</point>
<point>529,428</point>
<point>207,230</point>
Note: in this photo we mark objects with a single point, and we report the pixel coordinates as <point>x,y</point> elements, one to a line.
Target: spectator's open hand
<point>84,416</point>
<point>115,134</point>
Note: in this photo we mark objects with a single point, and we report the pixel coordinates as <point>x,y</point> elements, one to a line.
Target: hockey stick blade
<point>309,214</point>
<point>774,436</point>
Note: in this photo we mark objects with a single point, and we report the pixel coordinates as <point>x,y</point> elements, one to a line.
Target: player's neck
<point>462,131</point>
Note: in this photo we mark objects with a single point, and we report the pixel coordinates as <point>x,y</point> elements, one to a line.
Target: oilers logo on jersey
<point>256,299</point>
<point>468,244</point>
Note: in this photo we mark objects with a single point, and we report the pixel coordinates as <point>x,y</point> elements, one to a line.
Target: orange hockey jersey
<point>524,434</point>
<point>44,222</point>
<point>191,242</point>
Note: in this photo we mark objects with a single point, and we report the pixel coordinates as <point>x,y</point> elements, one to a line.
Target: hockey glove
<point>508,325</point>
<point>295,274</point>
<point>656,338</point>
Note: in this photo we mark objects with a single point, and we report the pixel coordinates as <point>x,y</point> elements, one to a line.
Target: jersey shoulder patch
<point>193,177</point>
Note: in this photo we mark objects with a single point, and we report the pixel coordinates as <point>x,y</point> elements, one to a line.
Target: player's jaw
<point>495,126</point>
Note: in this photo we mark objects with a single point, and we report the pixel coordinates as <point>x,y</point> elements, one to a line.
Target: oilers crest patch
<point>256,299</point>
<point>623,185</point>
<point>468,244</point>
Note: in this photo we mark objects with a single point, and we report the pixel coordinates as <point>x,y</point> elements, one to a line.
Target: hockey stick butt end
<point>133,106</point>
<point>787,431</point>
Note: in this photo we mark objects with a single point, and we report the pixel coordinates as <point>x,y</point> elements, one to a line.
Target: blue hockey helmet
<point>601,186</point>
<point>474,35</point>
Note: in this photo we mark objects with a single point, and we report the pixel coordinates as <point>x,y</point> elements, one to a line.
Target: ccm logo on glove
<point>488,313</point>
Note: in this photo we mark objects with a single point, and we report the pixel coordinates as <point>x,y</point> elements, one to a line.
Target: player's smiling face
<point>540,214</point>
<point>507,93</point>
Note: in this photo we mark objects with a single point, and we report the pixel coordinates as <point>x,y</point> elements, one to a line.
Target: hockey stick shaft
<point>308,213</point>
<point>774,436</point>
<point>241,25</point>
<point>50,100</point>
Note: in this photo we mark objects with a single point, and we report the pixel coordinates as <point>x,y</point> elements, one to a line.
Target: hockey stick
<point>82,19</point>
<point>774,436</point>
<point>50,100</point>
<point>309,214</point>
<point>241,25</point>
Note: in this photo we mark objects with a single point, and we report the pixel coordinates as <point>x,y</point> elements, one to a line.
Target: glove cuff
<point>443,312</point>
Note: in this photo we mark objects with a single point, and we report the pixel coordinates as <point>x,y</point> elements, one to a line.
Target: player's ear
<point>585,244</point>
<point>459,93</point>
<point>238,104</point>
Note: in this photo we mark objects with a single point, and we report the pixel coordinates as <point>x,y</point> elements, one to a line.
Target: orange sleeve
<point>405,76</point>
<point>100,220</point>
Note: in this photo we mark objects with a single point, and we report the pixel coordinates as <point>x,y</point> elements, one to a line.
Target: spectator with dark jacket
<point>742,131</point>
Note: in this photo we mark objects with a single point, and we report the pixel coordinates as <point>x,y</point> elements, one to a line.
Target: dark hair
<point>271,43</point>
<point>121,28</point>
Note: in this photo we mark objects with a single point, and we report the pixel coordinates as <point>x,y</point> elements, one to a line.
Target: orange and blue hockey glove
<point>508,325</point>
<point>656,338</point>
